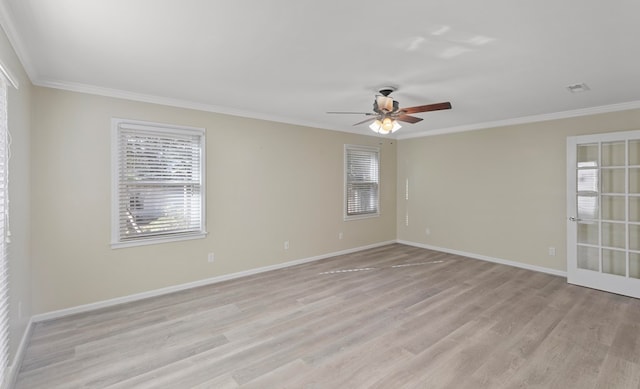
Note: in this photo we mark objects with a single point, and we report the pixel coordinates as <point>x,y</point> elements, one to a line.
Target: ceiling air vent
<point>577,88</point>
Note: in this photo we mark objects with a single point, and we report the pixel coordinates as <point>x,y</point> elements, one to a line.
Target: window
<point>362,181</point>
<point>158,183</point>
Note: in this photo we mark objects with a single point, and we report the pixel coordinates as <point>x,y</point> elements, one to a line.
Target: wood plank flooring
<point>390,317</point>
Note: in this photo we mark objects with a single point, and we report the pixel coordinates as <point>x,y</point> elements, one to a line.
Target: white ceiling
<point>497,61</point>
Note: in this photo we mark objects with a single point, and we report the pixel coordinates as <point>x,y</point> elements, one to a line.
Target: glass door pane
<point>614,262</point>
<point>614,154</point>
<point>613,208</point>
<point>634,209</point>
<point>634,180</point>
<point>588,155</point>
<point>613,180</point>
<point>614,235</point>
<point>634,237</point>
<point>589,233</point>
<point>634,152</point>
<point>588,258</point>
<point>634,265</point>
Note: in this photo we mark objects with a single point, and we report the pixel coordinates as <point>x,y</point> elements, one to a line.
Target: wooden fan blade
<point>353,113</point>
<point>408,119</point>
<point>364,121</point>
<point>426,108</point>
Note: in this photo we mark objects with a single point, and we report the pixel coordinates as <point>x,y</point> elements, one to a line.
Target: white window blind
<point>362,181</point>
<point>159,186</point>
<point>4,233</point>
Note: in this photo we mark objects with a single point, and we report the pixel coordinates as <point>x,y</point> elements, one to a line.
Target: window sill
<point>158,240</point>
<point>360,217</point>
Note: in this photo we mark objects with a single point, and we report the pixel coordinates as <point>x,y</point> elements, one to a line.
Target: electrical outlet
<point>286,245</point>
<point>552,251</point>
<point>340,235</point>
<point>211,257</point>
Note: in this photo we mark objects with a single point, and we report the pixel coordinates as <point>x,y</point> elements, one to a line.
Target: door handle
<point>573,219</point>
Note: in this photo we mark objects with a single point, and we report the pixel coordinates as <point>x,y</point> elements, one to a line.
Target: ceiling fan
<point>387,112</point>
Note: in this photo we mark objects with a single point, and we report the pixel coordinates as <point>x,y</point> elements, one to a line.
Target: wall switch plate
<point>286,245</point>
<point>552,251</point>
<point>340,235</point>
<point>211,257</point>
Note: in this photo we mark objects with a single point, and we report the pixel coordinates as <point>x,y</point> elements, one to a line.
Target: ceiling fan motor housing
<point>383,104</point>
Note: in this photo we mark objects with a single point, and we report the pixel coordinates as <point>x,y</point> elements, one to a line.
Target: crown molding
<point>116,93</point>
<point>179,103</point>
<point>527,119</point>
<point>6,22</point>
<point>172,102</point>
<point>4,70</point>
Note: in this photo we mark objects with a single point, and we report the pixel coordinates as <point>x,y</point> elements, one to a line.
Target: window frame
<point>4,225</point>
<point>346,216</point>
<point>152,127</point>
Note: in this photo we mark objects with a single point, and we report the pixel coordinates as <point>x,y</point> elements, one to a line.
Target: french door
<point>603,212</point>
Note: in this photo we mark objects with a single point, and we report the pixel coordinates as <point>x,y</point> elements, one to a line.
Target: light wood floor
<point>409,318</point>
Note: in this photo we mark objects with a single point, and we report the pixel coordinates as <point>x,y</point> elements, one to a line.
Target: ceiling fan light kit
<point>385,126</point>
<point>387,112</point>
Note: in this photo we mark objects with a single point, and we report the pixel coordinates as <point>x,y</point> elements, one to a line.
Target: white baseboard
<point>487,258</point>
<point>177,288</point>
<point>14,368</point>
<point>226,277</point>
